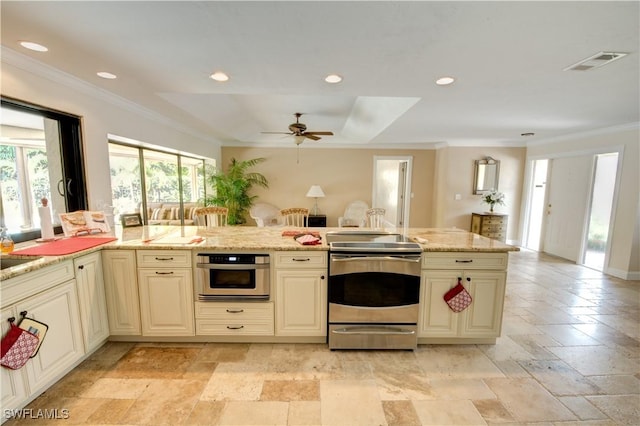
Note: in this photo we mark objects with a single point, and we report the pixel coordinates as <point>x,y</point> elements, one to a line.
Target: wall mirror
<point>486,175</point>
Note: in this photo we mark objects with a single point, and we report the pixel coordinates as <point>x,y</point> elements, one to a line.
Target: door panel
<point>568,188</point>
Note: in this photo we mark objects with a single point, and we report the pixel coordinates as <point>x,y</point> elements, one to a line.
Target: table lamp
<point>316,192</point>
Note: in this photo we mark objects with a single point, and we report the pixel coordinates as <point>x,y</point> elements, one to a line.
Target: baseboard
<point>622,274</point>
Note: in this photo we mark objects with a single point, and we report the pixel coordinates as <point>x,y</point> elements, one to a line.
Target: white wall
<point>102,115</point>
<point>624,261</point>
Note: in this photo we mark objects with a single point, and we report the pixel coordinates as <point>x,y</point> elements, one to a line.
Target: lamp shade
<point>315,191</point>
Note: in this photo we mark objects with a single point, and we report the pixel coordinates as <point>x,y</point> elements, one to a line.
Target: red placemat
<point>64,246</point>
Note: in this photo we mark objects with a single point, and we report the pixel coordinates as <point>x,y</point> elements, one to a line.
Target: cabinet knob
<point>81,267</point>
<point>322,277</point>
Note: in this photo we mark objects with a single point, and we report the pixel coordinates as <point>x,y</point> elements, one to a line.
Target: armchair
<point>265,214</point>
<point>355,215</point>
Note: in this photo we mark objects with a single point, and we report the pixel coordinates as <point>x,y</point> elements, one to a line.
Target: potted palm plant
<point>232,188</point>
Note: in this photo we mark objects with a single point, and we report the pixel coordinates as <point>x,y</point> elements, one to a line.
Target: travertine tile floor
<point>569,354</point>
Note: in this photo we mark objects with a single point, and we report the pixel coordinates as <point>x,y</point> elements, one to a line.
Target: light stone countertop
<point>251,238</point>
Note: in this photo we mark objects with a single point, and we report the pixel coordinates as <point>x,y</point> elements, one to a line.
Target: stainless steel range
<point>374,290</point>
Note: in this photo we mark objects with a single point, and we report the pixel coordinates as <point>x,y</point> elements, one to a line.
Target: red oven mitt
<point>308,239</point>
<point>17,347</point>
<point>458,298</point>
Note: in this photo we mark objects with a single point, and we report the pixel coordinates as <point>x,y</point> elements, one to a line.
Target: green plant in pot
<point>232,189</point>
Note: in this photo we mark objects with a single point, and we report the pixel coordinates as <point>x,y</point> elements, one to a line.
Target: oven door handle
<point>233,267</point>
<point>338,258</point>
<point>373,330</point>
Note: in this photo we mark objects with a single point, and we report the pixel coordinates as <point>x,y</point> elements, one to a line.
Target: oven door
<point>374,288</point>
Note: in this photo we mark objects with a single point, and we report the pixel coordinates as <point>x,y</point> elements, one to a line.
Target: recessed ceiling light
<point>443,81</point>
<point>107,75</point>
<point>333,78</point>
<point>527,134</point>
<point>34,46</point>
<point>220,76</point>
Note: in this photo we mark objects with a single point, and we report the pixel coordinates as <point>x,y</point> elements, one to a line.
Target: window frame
<point>72,159</point>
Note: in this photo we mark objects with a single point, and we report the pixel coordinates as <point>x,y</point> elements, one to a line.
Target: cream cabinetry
<point>121,291</point>
<point>166,292</point>
<point>47,295</point>
<point>92,300</point>
<point>234,318</point>
<point>301,293</point>
<point>483,276</point>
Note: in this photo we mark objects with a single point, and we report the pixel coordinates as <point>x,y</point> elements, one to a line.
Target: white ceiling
<point>508,59</point>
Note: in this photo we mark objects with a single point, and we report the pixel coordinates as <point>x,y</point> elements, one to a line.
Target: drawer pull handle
<point>235,327</point>
<point>164,258</point>
<point>464,261</point>
<point>164,273</point>
<point>299,259</point>
<point>235,311</point>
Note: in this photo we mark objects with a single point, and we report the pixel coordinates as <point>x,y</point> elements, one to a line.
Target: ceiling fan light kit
<point>299,131</point>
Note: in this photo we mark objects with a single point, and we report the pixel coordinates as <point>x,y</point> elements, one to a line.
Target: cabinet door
<point>62,345</point>
<point>14,383</point>
<point>436,318</point>
<point>93,305</point>
<point>301,302</point>
<point>483,318</point>
<point>121,291</point>
<point>166,302</point>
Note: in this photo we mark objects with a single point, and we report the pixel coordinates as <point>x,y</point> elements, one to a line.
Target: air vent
<point>596,61</point>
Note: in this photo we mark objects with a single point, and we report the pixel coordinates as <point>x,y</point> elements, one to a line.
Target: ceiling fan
<point>299,130</point>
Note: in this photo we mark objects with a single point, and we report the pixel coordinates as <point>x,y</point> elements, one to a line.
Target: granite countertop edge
<point>245,239</point>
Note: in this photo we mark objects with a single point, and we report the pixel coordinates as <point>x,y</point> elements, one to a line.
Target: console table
<point>492,225</point>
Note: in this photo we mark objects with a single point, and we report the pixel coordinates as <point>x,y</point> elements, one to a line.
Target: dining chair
<point>211,217</point>
<point>375,217</point>
<point>294,216</point>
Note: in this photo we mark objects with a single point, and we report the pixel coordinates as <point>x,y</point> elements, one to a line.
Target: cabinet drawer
<point>235,328</point>
<point>30,283</point>
<point>259,311</point>
<point>301,259</point>
<point>464,260</point>
<point>164,258</point>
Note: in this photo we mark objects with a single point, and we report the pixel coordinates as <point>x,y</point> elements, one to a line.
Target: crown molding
<point>33,66</point>
<point>589,133</point>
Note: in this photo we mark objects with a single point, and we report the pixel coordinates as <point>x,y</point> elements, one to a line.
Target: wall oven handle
<point>373,330</point>
<point>224,267</point>
<point>338,258</point>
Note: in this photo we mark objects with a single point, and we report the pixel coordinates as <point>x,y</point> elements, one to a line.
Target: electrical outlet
<point>458,197</point>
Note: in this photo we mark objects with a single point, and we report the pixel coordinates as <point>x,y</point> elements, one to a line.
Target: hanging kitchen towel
<point>17,347</point>
<point>37,328</point>
<point>458,298</point>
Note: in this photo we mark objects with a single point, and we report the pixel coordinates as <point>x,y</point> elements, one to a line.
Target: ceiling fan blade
<point>310,136</point>
<point>277,133</point>
<point>319,133</point>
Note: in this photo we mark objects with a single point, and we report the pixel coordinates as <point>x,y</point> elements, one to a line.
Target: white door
<point>392,188</point>
<point>567,203</point>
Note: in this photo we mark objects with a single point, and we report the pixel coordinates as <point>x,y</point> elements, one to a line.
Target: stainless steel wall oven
<point>374,292</point>
<point>232,276</point>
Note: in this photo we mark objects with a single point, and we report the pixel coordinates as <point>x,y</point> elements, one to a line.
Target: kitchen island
<point>143,287</point>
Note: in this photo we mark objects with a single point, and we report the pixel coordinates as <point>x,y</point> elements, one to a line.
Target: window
<point>40,157</point>
<point>168,178</point>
